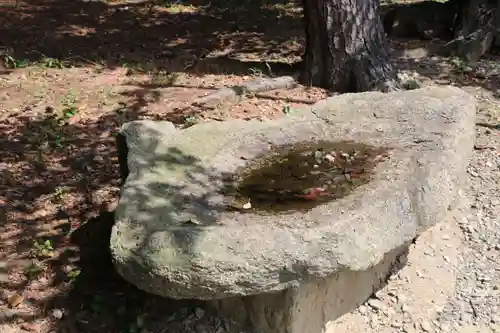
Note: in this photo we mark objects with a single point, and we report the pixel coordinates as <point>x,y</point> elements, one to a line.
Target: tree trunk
<point>477,25</point>
<point>346,47</point>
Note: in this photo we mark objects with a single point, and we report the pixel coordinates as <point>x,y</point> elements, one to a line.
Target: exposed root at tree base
<point>471,48</point>
<point>389,86</point>
<point>477,28</point>
<point>227,96</point>
<point>490,126</point>
<point>232,95</point>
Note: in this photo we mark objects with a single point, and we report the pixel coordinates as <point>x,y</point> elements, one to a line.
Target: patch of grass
<point>48,62</point>
<point>164,79</point>
<point>458,65</point>
<point>190,120</point>
<point>46,133</point>
<point>12,63</point>
<point>288,8</point>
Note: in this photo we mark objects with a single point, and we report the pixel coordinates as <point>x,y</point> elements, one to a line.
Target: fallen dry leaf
<point>15,300</point>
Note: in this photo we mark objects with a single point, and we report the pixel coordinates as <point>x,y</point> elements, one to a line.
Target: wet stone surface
<point>302,176</point>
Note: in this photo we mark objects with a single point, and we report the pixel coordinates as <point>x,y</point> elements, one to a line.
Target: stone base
<point>311,307</point>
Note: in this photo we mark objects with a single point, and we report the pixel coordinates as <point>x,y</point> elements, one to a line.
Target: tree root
<point>477,25</point>
<point>472,47</point>
<point>227,96</point>
<point>490,126</point>
<point>388,86</point>
<point>232,95</point>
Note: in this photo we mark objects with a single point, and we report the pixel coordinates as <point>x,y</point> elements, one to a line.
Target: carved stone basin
<point>302,176</point>
<point>300,215</point>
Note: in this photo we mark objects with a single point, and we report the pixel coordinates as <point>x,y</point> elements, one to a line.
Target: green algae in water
<point>301,176</point>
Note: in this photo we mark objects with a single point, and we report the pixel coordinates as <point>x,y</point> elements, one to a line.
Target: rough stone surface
<point>415,295</point>
<point>329,304</point>
<point>174,238</point>
<point>315,304</point>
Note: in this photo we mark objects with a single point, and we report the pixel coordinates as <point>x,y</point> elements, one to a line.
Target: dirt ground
<point>72,72</point>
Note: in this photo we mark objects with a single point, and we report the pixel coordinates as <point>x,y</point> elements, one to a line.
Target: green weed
<point>33,270</point>
<point>165,79</point>
<point>42,249</point>
<point>73,274</point>
<point>69,106</point>
<point>288,110</point>
<point>11,62</point>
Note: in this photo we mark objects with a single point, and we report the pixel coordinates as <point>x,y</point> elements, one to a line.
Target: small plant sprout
<point>49,62</point>
<point>42,248</point>
<point>190,120</point>
<point>33,270</point>
<point>69,106</point>
<point>73,274</point>
<point>58,192</point>
<point>288,110</point>
<point>11,62</point>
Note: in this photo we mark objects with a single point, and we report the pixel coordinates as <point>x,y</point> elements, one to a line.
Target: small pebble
<point>200,313</point>
<point>330,158</point>
<point>426,326</point>
<point>98,159</point>
<point>376,304</point>
<point>362,309</point>
<point>57,313</point>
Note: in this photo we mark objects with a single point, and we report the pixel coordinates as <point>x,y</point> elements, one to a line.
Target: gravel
<point>477,297</point>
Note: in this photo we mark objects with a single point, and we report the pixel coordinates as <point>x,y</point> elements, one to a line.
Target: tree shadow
<point>195,37</point>
<point>99,298</point>
<point>175,37</point>
<point>59,182</point>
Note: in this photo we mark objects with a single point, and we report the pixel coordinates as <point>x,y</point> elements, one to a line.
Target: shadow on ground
<point>181,37</point>
<point>60,186</point>
<point>99,299</point>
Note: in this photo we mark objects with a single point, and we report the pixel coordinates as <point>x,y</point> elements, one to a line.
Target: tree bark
<point>477,24</point>
<point>346,50</point>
